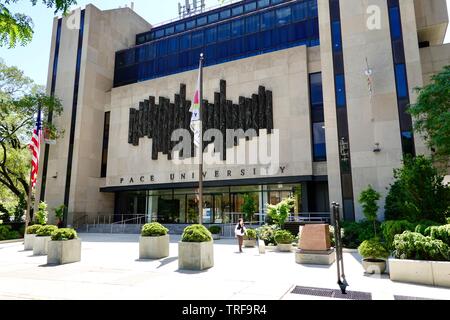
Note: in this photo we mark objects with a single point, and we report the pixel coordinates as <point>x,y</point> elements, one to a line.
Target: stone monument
<point>315,245</point>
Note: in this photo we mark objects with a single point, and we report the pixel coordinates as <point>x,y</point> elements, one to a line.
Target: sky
<point>34,57</point>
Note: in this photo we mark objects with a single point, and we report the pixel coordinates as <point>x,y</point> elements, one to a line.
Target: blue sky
<point>33,58</point>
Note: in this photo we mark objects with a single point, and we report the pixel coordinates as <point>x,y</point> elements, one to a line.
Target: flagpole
<point>200,149</point>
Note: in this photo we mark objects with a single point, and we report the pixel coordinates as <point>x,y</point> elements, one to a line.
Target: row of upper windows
<point>216,17</point>
<point>218,33</point>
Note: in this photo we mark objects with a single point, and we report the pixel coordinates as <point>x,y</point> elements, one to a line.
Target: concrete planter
<point>63,252</point>
<point>40,246</point>
<point>284,247</point>
<point>28,241</point>
<point>195,255</point>
<point>250,243</point>
<point>432,273</point>
<point>216,236</point>
<point>154,247</point>
<point>374,267</point>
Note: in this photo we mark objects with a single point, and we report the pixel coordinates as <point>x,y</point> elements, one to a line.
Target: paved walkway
<point>110,269</point>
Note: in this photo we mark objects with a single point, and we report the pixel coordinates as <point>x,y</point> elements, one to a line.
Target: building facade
<point>327,82</point>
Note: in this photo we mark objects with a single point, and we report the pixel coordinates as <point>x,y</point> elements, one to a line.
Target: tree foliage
<point>432,113</point>
<point>279,212</point>
<point>368,199</point>
<point>249,207</point>
<point>18,27</point>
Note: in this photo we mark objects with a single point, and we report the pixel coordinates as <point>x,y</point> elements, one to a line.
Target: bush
<point>369,202</point>
<point>425,225</point>
<point>267,233</point>
<point>196,233</point>
<point>279,213</point>
<point>355,233</point>
<point>46,231</point>
<point>154,229</point>
<point>441,233</point>
<point>392,228</point>
<point>414,246</point>
<point>7,234</point>
<point>283,237</point>
<point>42,214</point>
<point>33,229</point>
<point>373,249</point>
<point>250,234</point>
<point>215,229</point>
<point>64,234</point>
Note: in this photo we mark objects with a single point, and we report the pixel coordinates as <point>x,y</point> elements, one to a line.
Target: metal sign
<point>189,9</point>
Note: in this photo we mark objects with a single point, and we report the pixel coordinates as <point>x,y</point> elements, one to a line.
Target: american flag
<point>35,147</point>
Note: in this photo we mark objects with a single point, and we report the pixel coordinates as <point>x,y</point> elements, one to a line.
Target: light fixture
<point>377,148</point>
<point>55,176</point>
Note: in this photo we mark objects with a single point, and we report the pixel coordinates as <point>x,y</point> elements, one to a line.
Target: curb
<point>12,241</point>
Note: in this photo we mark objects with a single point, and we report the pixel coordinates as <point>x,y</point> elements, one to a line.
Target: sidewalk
<point>110,269</point>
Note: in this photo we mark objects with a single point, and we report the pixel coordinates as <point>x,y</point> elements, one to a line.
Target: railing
<point>310,217</point>
<point>80,221</point>
<point>138,218</point>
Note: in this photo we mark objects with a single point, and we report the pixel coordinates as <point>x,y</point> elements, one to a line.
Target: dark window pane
<point>223,32</point>
<point>170,30</point>
<point>197,39</point>
<point>277,1</point>
<point>172,45</point>
<point>210,35</point>
<point>340,91</point>
<point>201,21</point>
<point>225,14</point>
<point>252,24</point>
<point>320,149</point>
<point>402,83</point>
<point>398,51</point>
<point>316,89</point>
<point>180,27</point>
<point>299,11</point>
<point>237,28</point>
<point>283,16</point>
<point>237,11</point>
<point>336,35</point>
<point>190,24</point>
<point>313,10</point>
<point>263,3</point>
<point>159,33</point>
<point>408,143</point>
<point>162,48</point>
<point>267,20</point>
<point>395,21</point>
<point>149,36</point>
<point>140,39</point>
<point>213,17</point>
<point>185,42</point>
<point>250,6</point>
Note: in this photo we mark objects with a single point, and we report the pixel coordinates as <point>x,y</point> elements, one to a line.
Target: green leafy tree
<point>249,207</point>
<point>42,214</point>
<point>418,193</point>
<point>20,100</point>
<point>18,27</point>
<point>368,199</point>
<point>279,212</point>
<point>432,113</point>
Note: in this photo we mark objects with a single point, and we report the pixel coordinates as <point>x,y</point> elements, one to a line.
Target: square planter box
<point>195,255</point>
<point>249,243</point>
<point>29,240</point>
<point>284,247</point>
<point>40,245</point>
<point>433,273</point>
<point>63,252</point>
<point>154,247</point>
<point>216,236</point>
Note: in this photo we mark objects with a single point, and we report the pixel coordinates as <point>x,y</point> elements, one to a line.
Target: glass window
<point>162,48</point>
<point>252,24</point>
<point>210,35</point>
<point>315,80</point>
<point>223,32</point>
<point>408,143</point>
<point>149,36</point>
<point>340,91</point>
<point>197,39</point>
<point>237,11</point>
<point>170,30</point>
<point>267,20</point>
<point>190,24</point>
<point>250,6</point>
<point>336,35</point>
<point>213,17</point>
<point>283,16</point>
<point>185,42</point>
<point>225,14</point>
<point>140,39</point>
<point>277,1</point>
<point>263,3</point>
<point>201,21</point>
<point>320,149</point>
<point>299,11</point>
<point>394,17</point>
<point>402,83</point>
<point>237,28</point>
<point>159,33</point>
<point>172,45</point>
<point>313,10</point>
<point>180,27</point>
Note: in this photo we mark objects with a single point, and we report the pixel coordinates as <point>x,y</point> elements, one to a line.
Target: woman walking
<point>239,231</point>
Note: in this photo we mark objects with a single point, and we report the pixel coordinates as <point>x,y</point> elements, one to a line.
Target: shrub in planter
<point>33,229</point>
<point>250,238</point>
<point>374,256</point>
<point>424,227</point>
<point>441,233</point>
<point>30,235</point>
<point>215,231</point>
<point>42,214</point>
<point>355,233</point>
<point>46,231</point>
<point>415,246</point>
<point>196,248</point>
<point>64,247</point>
<point>284,240</point>
<point>392,228</point>
<point>154,241</point>
<point>40,243</point>
<point>267,234</point>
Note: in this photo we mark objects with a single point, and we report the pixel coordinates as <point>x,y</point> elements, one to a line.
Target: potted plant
<point>59,214</point>
<point>43,235</point>
<point>250,238</point>
<point>42,214</point>
<point>267,233</point>
<point>64,247</point>
<point>154,241</point>
<point>196,248</point>
<point>215,231</point>
<point>284,240</point>
<point>374,255</point>
<point>30,235</point>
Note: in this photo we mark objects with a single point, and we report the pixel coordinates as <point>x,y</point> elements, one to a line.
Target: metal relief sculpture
<point>159,121</point>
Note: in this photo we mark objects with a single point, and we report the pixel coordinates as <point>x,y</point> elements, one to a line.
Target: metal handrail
<point>124,222</point>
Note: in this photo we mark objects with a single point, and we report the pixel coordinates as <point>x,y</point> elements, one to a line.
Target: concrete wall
<point>433,60</point>
<point>432,20</point>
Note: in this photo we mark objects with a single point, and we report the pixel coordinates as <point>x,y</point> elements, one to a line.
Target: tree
<point>418,193</point>
<point>432,113</point>
<point>279,212</point>
<point>18,27</point>
<point>249,207</point>
<point>20,100</point>
<point>368,199</point>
